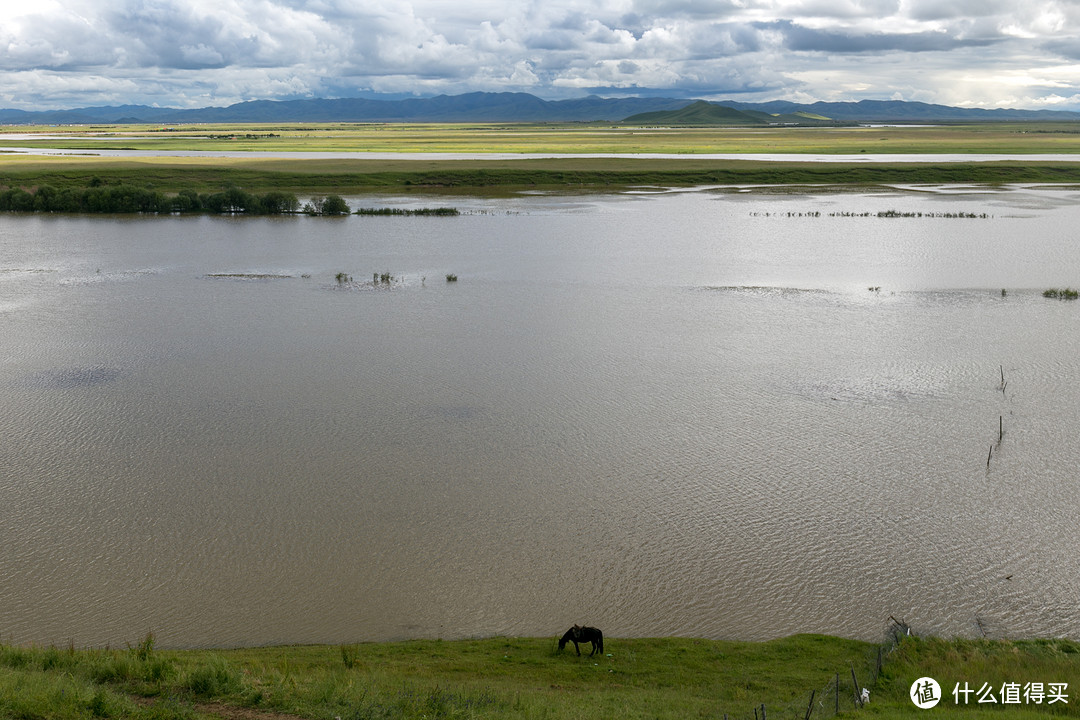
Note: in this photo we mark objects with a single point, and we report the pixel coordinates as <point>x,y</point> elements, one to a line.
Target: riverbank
<point>254,175</point>
<point>801,676</point>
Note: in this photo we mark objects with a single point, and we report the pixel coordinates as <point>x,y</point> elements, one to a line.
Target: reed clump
<point>1061,293</point>
<point>877,214</point>
<point>437,211</point>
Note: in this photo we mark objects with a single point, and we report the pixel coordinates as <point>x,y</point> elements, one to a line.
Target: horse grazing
<point>579,634</point>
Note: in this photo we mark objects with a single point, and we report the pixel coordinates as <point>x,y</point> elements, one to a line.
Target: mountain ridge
<point>702,112</point>
<point>514,107</point>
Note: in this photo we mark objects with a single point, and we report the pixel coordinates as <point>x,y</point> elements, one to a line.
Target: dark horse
<point>579,634</point>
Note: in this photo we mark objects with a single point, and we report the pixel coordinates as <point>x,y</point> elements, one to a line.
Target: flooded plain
<point>702,413</point>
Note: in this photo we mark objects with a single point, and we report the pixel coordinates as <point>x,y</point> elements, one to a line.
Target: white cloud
<point>194,52</point>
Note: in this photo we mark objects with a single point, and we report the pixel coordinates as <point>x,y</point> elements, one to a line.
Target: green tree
<point>45,199</point>
<point>335,205</point>
<point>187,200</point>
<point>277,203</point>
<point>17,200</point>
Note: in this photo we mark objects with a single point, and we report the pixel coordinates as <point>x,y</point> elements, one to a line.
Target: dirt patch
<point>223,711</point>
<point>231,712</point>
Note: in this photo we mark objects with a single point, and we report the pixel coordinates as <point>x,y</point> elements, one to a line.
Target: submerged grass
<point>438,212</point>
<point>524,678</point>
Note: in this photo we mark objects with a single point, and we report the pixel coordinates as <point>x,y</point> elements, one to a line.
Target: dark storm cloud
<point>802,39</point>
<point>1069,48</point>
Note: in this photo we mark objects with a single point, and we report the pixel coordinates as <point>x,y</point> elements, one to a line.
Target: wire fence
<point>847,690</point>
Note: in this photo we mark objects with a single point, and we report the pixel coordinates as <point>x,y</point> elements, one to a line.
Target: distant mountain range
<point>523,107</point>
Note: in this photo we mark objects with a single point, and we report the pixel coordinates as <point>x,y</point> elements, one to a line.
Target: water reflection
<point>68,378</point>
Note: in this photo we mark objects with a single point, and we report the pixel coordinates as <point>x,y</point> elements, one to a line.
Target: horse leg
<point>577,648</point>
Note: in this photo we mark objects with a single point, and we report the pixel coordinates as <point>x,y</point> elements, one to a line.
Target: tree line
<point>123,198</point>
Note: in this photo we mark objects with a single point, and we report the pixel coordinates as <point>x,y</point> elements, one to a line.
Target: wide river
<point>660,413</point>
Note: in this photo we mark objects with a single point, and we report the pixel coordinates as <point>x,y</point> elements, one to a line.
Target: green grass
<point>524,678</point>
<point>318,177</point>
<point>979,662</point>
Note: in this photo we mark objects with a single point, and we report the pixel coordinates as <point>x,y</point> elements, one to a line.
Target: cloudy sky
<point>195,53</point>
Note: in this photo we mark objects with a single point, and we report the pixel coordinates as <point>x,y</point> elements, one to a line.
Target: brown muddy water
<point>660,413</point>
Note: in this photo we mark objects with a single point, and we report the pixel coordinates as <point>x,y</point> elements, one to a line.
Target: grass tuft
<point>214,678</point>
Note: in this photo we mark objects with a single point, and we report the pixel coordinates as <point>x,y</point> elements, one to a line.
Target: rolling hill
<point>523,107</point>
<point>696,113</point>
<point>706,113</point>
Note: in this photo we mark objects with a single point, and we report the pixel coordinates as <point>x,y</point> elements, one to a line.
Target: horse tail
<point>600,640</point>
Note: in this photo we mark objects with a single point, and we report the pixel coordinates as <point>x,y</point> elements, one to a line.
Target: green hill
<point>698,113</point>
<point>794,118</point>
<point>707,113</point>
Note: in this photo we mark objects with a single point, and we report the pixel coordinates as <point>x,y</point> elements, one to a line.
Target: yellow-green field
<point>561,138</point>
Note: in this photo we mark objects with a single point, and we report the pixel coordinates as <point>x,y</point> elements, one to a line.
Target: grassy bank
<point>527,678</point>
<point>496,176</point>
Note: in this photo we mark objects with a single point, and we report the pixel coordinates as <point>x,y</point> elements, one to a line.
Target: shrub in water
<point>335,205</point>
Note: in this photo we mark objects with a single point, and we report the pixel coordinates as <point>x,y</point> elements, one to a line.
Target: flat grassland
<point>359,174</point>
<point>558,138</point>
<point>805,676</point>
